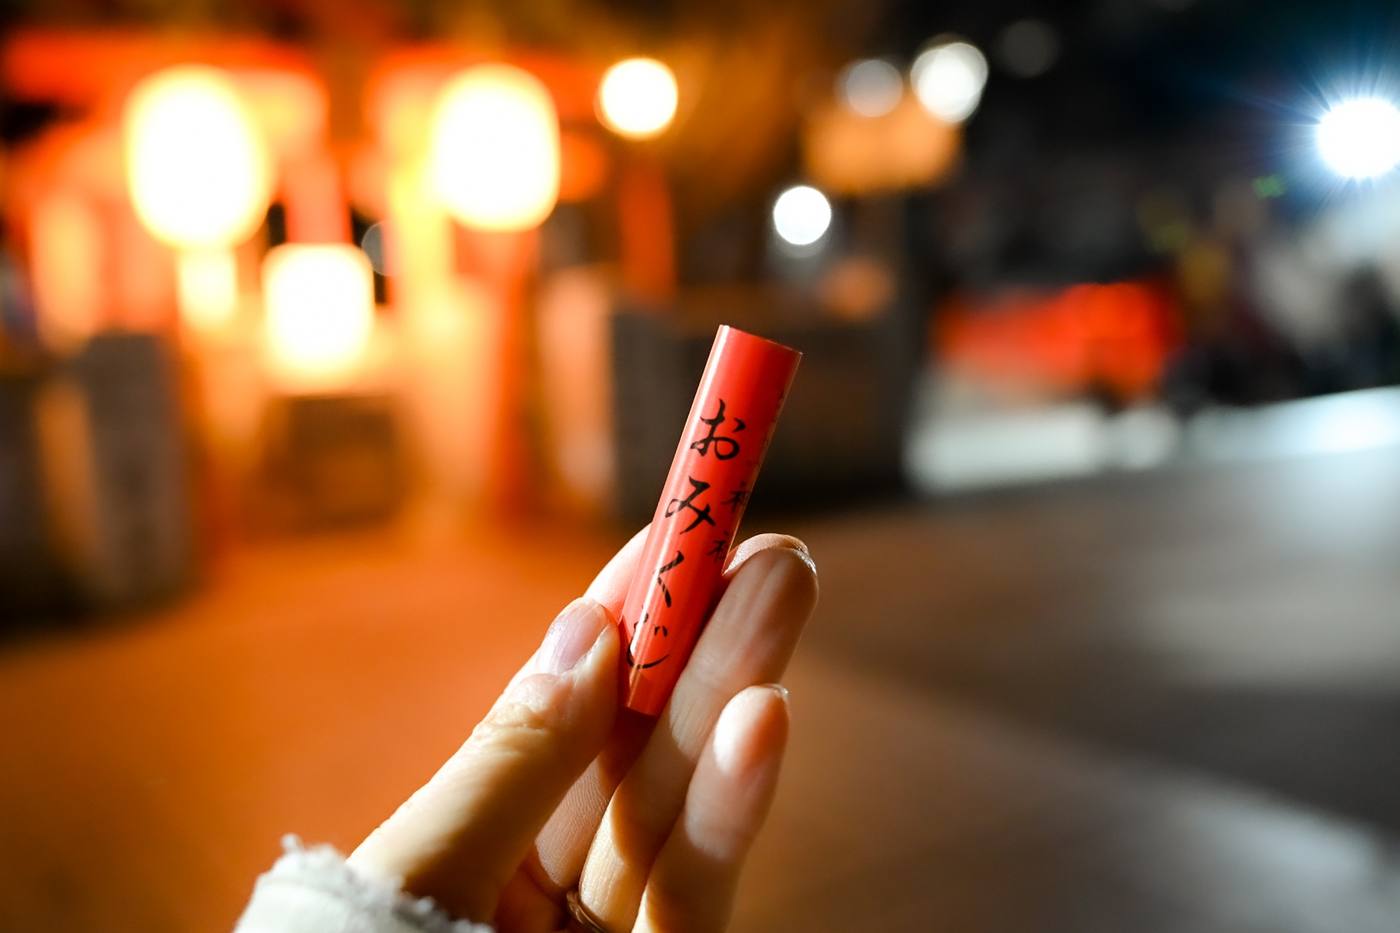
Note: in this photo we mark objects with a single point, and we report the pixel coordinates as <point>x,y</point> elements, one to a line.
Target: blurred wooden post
<point>647,231</point>
<point>505,263</point>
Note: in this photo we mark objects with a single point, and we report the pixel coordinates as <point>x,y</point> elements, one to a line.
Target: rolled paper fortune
<point>726,435</point>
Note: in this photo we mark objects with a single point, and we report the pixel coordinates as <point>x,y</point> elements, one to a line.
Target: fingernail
<point>807,559</point>
<point>569,637</point>
<point>757,545</point>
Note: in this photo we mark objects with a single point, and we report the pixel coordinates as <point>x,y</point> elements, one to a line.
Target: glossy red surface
<point>717,460</point>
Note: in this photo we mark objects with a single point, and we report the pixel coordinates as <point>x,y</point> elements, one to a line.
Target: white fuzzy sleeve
<point>315,891</point>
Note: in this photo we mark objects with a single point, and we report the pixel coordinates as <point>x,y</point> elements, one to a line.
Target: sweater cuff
<point>314,889</point>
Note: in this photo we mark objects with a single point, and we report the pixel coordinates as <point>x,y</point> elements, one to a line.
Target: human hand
<point>558,790</point>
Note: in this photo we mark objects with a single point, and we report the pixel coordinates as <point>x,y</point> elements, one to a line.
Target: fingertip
<point>792,568</point>
<point>607,644</point>
<point>573,634</point>
<point>692,883</point>
<point>570,685</point>
<point>751,730</point>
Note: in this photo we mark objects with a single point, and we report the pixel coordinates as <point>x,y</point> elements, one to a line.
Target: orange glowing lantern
<point>319,303</point>
<point>196,164</point>
<point>200,177</point>
<point>494,156</point>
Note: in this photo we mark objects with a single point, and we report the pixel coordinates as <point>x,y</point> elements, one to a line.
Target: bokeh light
<point>206,282</point>
<point>196,164</point>
<point>65,235</point>
<point>870,87</point>
<point>948,79</point>
<point>801,215</point>
<point>494,160</point>
<point>320,310</point>
<point>1360,138</point>
<point>1028,48</point>
<point>637,98</point>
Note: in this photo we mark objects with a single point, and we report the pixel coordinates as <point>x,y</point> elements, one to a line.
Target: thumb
<point>462,836</point>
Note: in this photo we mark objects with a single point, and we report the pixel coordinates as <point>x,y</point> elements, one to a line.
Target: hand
<point>557,789</point>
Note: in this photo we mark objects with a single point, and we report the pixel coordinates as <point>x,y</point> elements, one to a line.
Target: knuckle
<point>528,717</point>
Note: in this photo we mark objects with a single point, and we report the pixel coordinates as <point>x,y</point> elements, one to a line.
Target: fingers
<point>463,834</point>
<point>691,886</point>
<point>609,588</point>
<point>563,842</point>
<point>749,639</point>
<point>764,639</point>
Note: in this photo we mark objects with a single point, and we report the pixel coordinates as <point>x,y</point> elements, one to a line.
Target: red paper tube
<point>726,435</point>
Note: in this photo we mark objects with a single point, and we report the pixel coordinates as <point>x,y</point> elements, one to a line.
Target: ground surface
<point>1159,702</point>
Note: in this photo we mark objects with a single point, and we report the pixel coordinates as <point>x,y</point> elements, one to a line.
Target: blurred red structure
<point>347,147</point>
<point>1110,338</point>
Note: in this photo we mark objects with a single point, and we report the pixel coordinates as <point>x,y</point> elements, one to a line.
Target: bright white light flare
<point>1360,138</point>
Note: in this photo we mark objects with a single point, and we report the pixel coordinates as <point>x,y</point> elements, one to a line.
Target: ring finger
<point>749,639</point>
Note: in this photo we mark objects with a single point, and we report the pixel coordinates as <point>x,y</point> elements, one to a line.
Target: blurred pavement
<point>1158,701</point>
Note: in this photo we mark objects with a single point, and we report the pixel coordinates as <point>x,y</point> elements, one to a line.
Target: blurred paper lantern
<point>494,158</point>
<point>637,98</point>
<point>197,166</point>
<point>319,302</point>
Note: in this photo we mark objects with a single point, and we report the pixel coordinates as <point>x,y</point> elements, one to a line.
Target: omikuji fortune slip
<point>721,449</point>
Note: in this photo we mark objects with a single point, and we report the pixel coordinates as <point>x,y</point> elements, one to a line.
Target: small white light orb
<point>801,215</point>
<point>948,80</point>
<point>870,87</point>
